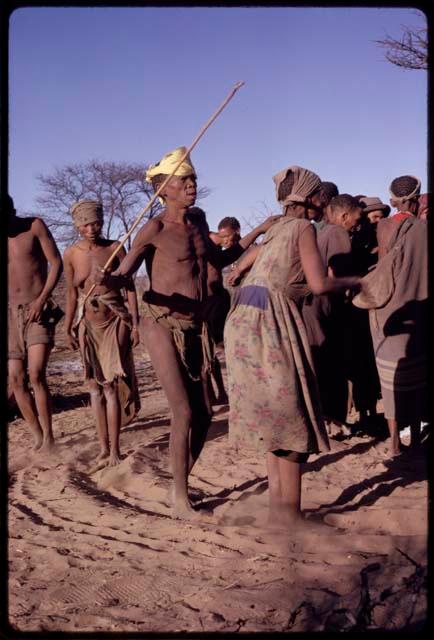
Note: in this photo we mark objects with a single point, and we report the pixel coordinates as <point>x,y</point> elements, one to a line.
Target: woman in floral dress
<point>273,395</point>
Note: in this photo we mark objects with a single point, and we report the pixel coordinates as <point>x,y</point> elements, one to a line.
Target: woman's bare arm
<point>244,264</point>
<point>313,268</point>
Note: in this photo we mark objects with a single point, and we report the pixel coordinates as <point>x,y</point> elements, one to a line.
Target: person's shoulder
<point>303,224</point>
<point>334,231</point>
<point>73,250</point>
<point>112,244</point>
<point>154,224</point>
<point>37,223</point>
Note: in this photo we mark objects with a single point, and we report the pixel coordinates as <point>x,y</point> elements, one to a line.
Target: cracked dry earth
<point>99,551</point>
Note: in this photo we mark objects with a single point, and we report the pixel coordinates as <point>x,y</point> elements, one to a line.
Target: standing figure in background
<point>32,318</point>
<point>396,293</point>
<point>105,330</point>
<point>365,383</point>
<point>326,316</point>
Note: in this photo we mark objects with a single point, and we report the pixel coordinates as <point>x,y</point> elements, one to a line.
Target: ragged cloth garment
<point>399,321</point>
<point>195,365</point>
<point>273,395</point>
<point>103,358</point>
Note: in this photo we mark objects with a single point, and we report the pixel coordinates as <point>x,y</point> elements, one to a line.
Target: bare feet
<point>47,445</point>
<point>182,510</point>
<point>283,518</point>
<point>114,459</point>
<point>37,443</point>
<point>170,497</point>
<point>103,455</point>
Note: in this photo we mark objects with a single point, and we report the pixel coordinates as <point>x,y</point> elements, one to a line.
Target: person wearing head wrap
<point>87,211</point>
<point>32,318</point>
<point>105,330</point>
<point>273,396</point>
<point>396,294</point>
<point>156,173</point>
<point>404,194</point>
<point>184,268</point>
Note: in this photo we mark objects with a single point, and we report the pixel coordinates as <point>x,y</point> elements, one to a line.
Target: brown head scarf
<point>86,211</point>
<point>305,184</point>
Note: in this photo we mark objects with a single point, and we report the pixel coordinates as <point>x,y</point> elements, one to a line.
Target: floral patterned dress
<point>273,394</point>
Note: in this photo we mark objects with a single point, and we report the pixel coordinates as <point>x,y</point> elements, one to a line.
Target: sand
<point>98,551</point>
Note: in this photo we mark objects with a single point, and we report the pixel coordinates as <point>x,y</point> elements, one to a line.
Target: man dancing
<point>183,266</point>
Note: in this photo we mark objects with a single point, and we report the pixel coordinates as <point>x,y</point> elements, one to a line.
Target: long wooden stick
<point>237,86</point>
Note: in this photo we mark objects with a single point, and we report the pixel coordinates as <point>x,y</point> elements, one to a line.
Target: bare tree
<point>259,214</point>
<point>121,187</point>
<point>410,52</point>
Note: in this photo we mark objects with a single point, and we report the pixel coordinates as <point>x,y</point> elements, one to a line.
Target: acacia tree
<point>410,52</point>
<point>121,187</point>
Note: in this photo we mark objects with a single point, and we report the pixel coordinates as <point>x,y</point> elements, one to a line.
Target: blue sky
<point>130,84</point>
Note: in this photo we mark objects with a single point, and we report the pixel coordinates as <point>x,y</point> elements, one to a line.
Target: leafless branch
<point>410,52</point>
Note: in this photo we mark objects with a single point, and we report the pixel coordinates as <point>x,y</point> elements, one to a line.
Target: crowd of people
<point>327,312</point>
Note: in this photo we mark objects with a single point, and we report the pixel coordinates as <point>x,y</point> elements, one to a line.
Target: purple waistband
<point>253,295</point>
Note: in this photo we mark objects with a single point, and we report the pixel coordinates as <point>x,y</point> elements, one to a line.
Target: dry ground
<point>100,552</point>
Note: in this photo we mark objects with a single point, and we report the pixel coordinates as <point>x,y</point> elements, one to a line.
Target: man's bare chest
<point>180,245</point>
<point>23,247</point>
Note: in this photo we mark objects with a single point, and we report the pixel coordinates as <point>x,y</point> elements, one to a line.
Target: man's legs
<point>164,358</point>
<point>38,355</point>
<point>98,404</point>
<point>200,420</point>
<point>395,440</point>
<point>24,399</point>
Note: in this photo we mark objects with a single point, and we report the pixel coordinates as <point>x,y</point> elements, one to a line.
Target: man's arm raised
<point>53,257</point>
<point>133,259</point>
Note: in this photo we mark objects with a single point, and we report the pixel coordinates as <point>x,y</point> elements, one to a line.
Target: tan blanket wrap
<point>103,358</point>
<point>178,328</point>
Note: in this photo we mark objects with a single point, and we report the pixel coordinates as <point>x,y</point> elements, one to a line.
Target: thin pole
<point>237,86</point>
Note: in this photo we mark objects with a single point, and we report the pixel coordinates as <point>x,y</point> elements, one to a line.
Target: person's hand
<point>35,310</point>
<point>71,341</point>
<point>269,222</point>
<point>135,336</point>
<point>234,277</point>
<point>98,275</point>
